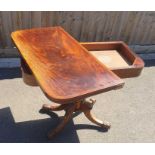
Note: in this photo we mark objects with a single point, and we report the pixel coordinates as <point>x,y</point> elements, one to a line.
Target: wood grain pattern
<point>63,68</point>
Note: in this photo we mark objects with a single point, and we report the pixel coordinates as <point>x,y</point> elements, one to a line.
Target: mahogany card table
<point>65,71</point>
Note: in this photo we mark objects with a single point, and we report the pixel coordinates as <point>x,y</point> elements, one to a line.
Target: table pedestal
<point>84,106</point>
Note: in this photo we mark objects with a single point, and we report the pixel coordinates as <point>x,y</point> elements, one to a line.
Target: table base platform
<point>84,106</point>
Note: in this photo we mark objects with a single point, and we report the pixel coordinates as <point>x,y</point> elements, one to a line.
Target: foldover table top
<point>64,70</point>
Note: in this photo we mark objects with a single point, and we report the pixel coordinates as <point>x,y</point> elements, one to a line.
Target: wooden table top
<point>65,70</point>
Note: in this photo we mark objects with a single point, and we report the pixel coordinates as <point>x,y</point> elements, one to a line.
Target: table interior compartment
<point>113,55</point>
<point>111,58</point>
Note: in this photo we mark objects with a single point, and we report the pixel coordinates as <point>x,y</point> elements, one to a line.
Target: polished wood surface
<point>130,65</point>
<point>63,68</point>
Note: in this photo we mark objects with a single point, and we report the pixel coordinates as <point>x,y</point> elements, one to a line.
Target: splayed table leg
<point>84,106</point>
